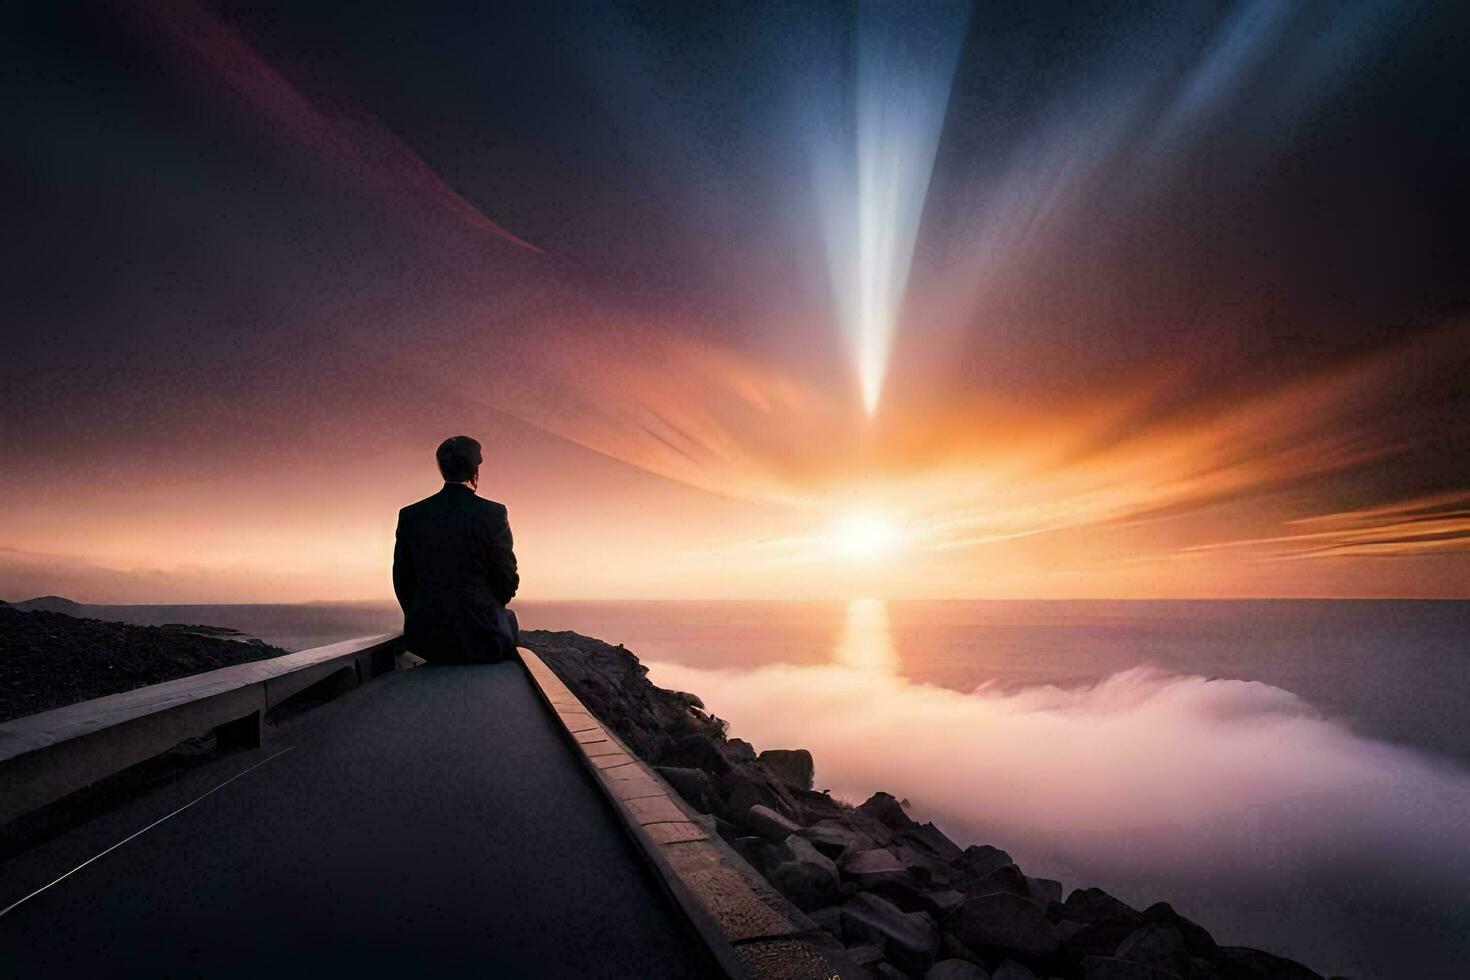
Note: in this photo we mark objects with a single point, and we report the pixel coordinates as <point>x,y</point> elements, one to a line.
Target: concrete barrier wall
<point>45,756</point>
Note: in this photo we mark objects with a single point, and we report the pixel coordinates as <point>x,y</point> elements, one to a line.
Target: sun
<point>860,535</point>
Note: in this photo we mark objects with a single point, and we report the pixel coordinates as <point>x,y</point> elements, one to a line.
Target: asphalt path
<point>434,822</point>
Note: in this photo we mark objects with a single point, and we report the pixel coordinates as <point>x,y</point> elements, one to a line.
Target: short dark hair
<point>459,458</point>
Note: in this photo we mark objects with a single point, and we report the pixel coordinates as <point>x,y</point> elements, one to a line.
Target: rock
<point>695,785</point>
<point>909,939</point>
<point>1203,969</point>
<point>745,786</point>
<point>805,885</point>
<point>873,867</point>
<point>1092,921</point>
<point>956,970</point>
<point>865,954</point>
<point>694,751</point>
<point>1156,944</point>
<point>765,822</point>
<point>941,903</point>
<point>1111,968</point>
<point>1093,905</point>
<point>1004,924</point>
<point>1011,970</point>
<point>1004,879</point>
<point>933,840</point>
<point>828,919</point>
<point>1247,964</point>
<point>833,838</point>
<point>887,971</point>
<point>1040,891</point>
<point>738,751</point>
<point>950,948</point>
<point>809,879</point>
<point>887,811</point>
<point>813,806</point>
<point>761,854</point>
<point>793,767</point>
<point>921,860</point>
<point>1049,890</point>
<point>1196,938</point>
<point>977,861</point>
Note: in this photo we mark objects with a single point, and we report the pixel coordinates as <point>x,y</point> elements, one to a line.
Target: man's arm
<point>404,582</point>
<point>503,575</point>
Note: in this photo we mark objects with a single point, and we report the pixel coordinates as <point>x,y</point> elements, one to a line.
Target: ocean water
<point>1292,774</point>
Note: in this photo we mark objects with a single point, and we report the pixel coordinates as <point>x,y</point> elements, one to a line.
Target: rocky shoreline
<point>904,899</point>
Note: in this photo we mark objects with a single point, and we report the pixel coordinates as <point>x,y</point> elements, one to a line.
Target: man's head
<point>459,460</point>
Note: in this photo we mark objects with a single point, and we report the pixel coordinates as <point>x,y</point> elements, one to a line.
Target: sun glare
<point>860,536</point>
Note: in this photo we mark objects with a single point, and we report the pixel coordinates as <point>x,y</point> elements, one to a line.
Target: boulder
<point>865,954</point>
<point>933,840</point>
<point>765,822</point>
<point>1111,968</point>
<point>1093,922</point>
<point>950,948</point>
<point>695,785</point>
<point>813,806</point>
<point>1003,924</point>
<point>809,879</point>
<point>909,939</point>
<point>738,751</point>
<point>745,786</point>
<point>793,767</point>
<point>887,971</point>
<point>1247,964</point>
<point>830,840</point>
<point>941,903</point>
<point>695,751</point>
<point>1093,905</point>
<point>1196,938</point>
<point>1011,970</point>
<point>979,860</point>
<point>956,970</point>
<point>1156,944</point>
<point>884,808</point>
<point>807,886</point>
<point>1007,879</point>
<point>870,868</point>
<point>828,919</point>
<point>921,860</point>
<point>760,853</point>
<point>1047,890</point>
<point>835,837</point>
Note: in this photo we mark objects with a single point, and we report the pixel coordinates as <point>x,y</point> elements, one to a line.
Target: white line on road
<point>19,902</point>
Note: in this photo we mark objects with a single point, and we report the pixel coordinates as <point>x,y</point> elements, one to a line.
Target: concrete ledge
<point>750,929</point>
<point>45,756</point>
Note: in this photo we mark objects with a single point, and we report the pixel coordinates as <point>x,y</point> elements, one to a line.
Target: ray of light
<point>873,175</point>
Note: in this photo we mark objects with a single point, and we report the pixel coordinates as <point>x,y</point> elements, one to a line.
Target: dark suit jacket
<point>454,572</point>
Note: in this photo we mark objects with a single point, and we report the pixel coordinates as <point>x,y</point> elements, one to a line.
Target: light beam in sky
<point>873,177</point>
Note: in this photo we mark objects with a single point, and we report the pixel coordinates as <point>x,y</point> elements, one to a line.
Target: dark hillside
<point>49,659</point>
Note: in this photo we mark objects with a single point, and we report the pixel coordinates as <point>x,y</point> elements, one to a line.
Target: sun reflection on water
<point>866,642</point>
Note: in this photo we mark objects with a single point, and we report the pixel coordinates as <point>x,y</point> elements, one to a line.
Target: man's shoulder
<point>418,506</point>
<point>493,508</point>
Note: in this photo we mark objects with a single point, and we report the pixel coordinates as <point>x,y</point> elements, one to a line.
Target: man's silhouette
<point>453,568</point>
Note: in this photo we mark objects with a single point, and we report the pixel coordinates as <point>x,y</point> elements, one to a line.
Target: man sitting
<point>453,568</point>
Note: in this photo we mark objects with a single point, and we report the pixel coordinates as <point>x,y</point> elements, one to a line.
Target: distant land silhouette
<point>51,655</point>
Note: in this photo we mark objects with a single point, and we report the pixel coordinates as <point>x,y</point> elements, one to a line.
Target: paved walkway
<point>434,822</point>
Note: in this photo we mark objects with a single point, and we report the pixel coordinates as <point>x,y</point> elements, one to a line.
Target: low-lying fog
<point>1236,801</point>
